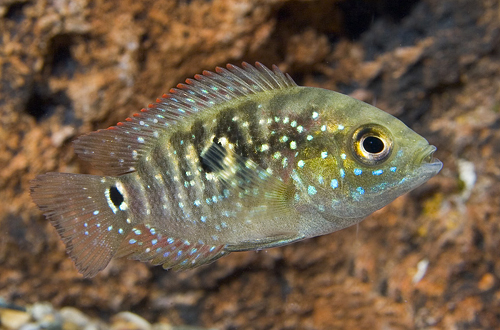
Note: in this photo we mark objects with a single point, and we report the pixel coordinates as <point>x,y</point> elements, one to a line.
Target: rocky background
<point>429,260</point>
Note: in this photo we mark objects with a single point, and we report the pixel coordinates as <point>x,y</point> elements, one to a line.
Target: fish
<point>233,160</point>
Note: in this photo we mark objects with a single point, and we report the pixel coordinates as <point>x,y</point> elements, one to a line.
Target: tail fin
<point>81,208</point>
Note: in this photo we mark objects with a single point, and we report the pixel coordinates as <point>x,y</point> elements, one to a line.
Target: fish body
<point>240,159</point>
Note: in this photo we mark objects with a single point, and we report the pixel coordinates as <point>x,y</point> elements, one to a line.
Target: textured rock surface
<point>427,261</point>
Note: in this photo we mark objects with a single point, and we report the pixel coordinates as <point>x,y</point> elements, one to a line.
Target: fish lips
<point>430,165</point>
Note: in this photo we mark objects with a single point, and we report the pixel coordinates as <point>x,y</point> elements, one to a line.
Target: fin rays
<point>115,151</point>
<point>141,244</point>
<point>76,206</point>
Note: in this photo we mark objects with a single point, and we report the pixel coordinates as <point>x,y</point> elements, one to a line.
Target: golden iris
<point>371,144</point>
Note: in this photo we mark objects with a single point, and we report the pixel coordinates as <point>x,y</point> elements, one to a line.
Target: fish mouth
<point>427,160</point>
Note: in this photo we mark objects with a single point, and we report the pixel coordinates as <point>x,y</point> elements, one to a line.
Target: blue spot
<point>120,231</point>
<point>393,169</point>
<point>152,231</point>
<point>334,183</point>
<point>87,233</point>
<point>360,190</point>
<point>342,173</point>
<point>109,228</point>
<point>179,253</point>
<point>203,218</point>
<point>158,250</point>
<point>212,248</point>
<point>380,187</point>
<point>153,242</point>
<point>132,241</point>
<point>193,250</point>
<point>137,232</point>
<point>166,254</point>
<point>170,240</point>
<point>377,172</point>
<point>357,171</point>
<point>311,190</point>
<point>320,180</point>
<point>217,227</point>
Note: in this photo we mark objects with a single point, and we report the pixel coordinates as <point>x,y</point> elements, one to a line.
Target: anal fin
<point>144,243</point>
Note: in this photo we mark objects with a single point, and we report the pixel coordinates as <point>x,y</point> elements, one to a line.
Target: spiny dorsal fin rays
<point>115,151</point>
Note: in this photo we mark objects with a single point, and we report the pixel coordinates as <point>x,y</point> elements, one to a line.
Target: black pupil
<point>373,144</point>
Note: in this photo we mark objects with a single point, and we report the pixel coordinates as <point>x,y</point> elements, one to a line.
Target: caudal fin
<point>85,211</point>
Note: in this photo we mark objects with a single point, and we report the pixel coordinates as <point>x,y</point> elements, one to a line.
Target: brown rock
<point>69,67</point>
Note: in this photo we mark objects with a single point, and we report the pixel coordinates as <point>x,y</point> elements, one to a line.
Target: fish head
<point>364,159</point>
<point>381,159</point>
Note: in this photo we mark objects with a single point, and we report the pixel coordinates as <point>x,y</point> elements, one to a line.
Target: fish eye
<point>371,144</point>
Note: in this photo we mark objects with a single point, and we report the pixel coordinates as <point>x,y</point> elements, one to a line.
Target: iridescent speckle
<point>321,180</point>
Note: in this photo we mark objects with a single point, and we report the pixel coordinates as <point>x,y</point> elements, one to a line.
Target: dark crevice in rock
<point>359,15</point>
<point>59,60</point>
<point>41,105</point>
<point>15,12</point>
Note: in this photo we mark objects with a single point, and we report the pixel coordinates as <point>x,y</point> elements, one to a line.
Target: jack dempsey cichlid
<point>240,159</point>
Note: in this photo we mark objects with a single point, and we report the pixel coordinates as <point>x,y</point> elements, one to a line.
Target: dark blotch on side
<point>211,160</point>
<point>116,196</point>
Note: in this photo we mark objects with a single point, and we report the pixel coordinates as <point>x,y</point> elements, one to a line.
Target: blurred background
<point>429,260</point>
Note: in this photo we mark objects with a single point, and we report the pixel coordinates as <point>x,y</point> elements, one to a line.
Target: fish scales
<point>240,159</point>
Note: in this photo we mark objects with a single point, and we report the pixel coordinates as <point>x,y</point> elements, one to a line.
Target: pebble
<point>43,316</point>
<point>13,319</point>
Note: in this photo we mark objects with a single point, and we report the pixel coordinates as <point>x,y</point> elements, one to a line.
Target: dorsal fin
<point>115,151</point>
